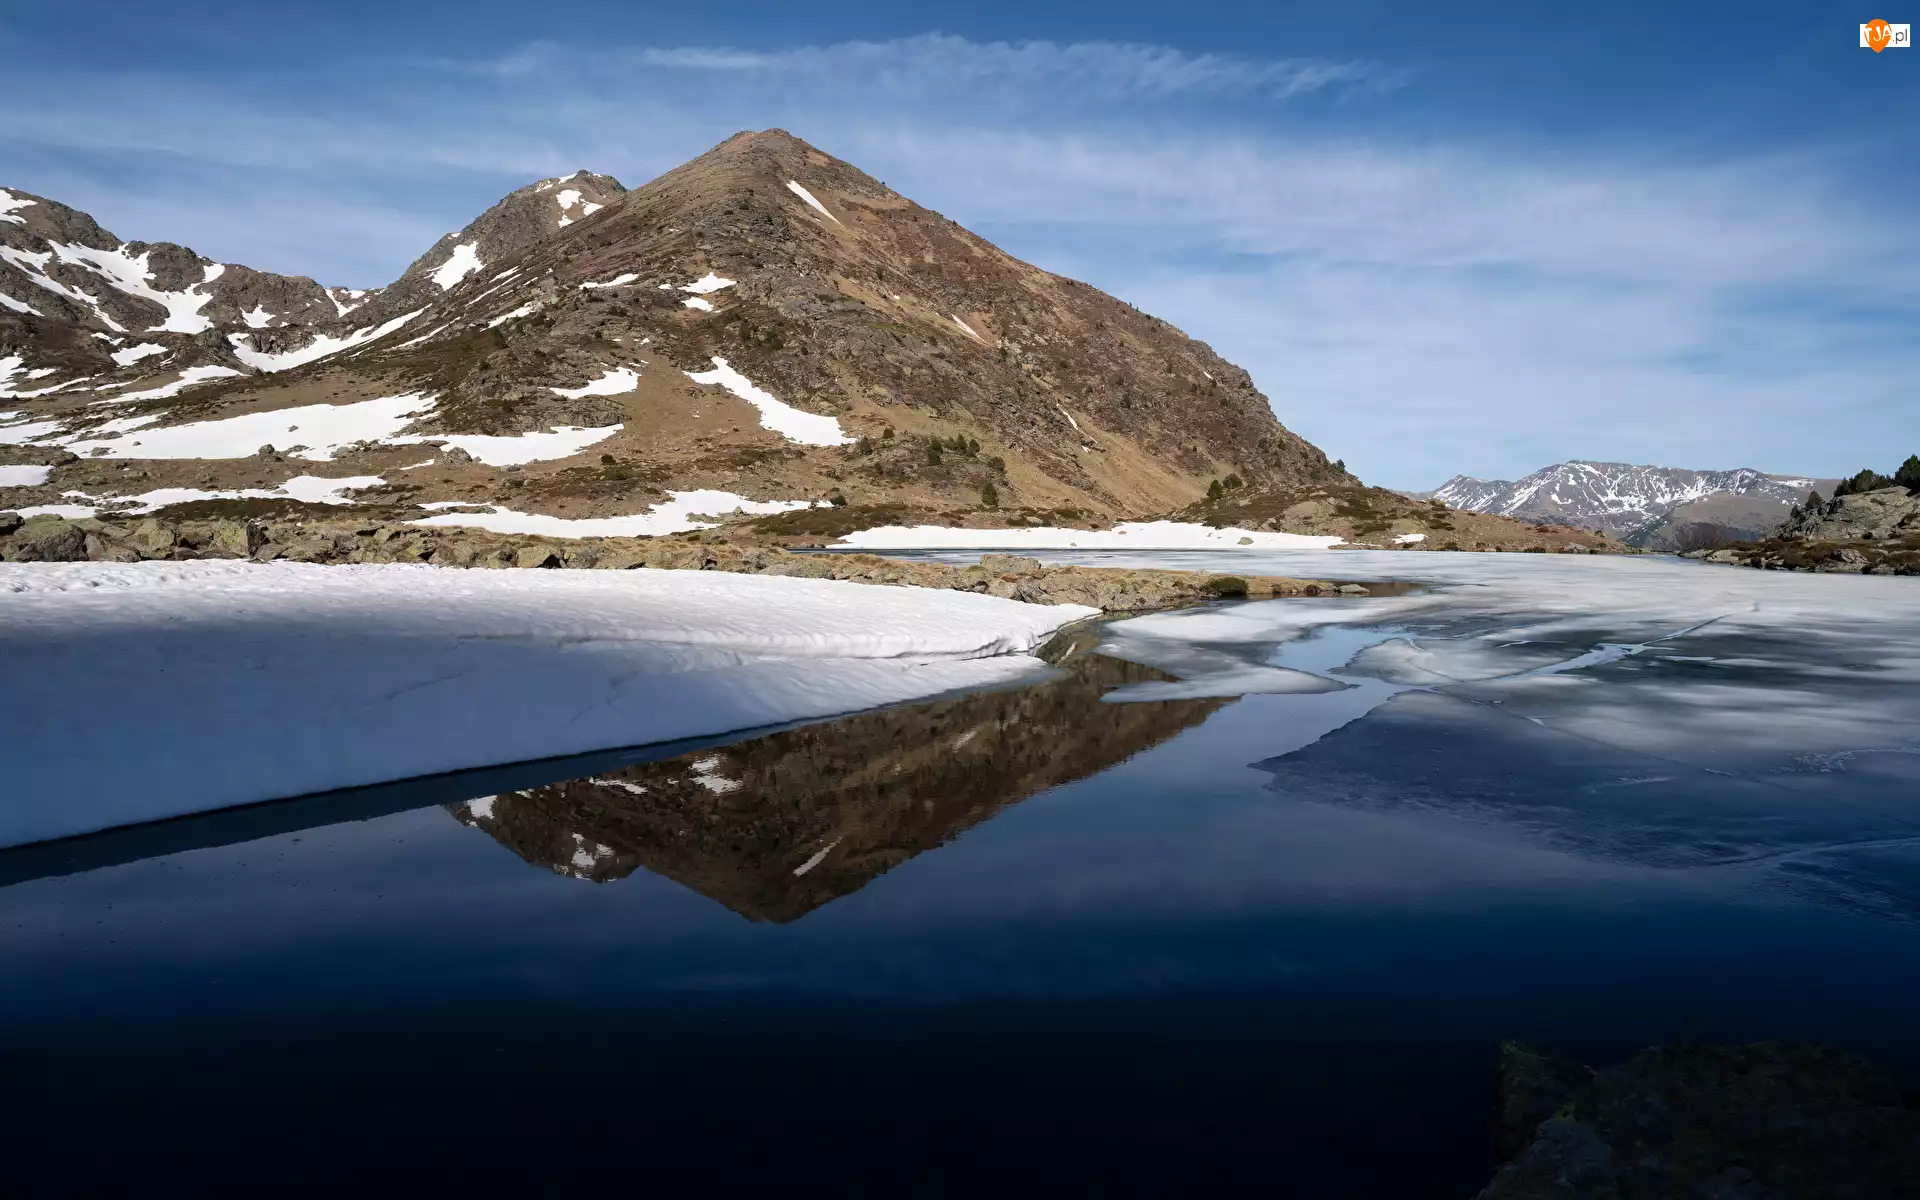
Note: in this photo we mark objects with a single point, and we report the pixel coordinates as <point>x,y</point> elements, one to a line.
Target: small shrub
<point>989,495</point>
<point>933,453</point>
<point>1225,587</point>
<point>838,499</point>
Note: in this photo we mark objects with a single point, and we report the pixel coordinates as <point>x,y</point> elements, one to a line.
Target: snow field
<point>226,683</point>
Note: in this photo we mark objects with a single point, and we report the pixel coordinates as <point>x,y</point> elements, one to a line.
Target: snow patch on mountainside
<point>320,429</point>
<point>133,354</point>
<point>322,346</point>
<point>794,187</point>
<point>188,378</point>
<point>464,261</point>
<point>23,476</point>
<point>562,441</point>
<point>311,489</point>
<point>615,381</point>
<point>9,204</point>
<point>677,514</point>
<point>809,429</point>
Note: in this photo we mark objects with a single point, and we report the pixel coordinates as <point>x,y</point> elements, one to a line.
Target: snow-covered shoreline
<point>149,690</point>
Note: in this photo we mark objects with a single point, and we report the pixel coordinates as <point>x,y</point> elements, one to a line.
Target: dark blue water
<point>1016,940</point>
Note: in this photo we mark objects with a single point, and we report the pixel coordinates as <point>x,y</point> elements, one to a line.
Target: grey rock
<point>1885,513</point>
<point>48,539</point>
<point>1011,564</point>
<point>9,521</point>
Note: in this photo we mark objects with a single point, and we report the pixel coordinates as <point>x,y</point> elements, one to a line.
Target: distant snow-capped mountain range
<point>1647,506</point>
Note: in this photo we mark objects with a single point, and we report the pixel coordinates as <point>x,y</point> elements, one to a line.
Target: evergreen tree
<point>1908,476</point>
<point>1215,491</point>
<point>989,495</point>
<point>933,453</point>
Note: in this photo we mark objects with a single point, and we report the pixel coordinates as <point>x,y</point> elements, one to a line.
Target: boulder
<point>538,557</point>
<point>455,455</point>
<point>236,539</point>
<point>9,521</point>
<point>154,538</point>
<point>1011,564</point>
<point>48,539</point>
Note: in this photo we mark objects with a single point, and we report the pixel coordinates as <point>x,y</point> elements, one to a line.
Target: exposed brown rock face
<point>776,827</point>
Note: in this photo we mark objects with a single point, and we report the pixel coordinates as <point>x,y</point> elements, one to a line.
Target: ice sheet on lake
<point>224,683</point>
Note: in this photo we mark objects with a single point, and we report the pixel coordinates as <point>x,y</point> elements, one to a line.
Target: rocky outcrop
<point>54,539</point>
<point>1889,512</point>
<point>1774,1120</point>
<point>1873,532</point>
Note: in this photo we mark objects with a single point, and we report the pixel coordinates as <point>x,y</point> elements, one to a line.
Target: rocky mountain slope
<point>1657,508</point>
<point>763,330</point>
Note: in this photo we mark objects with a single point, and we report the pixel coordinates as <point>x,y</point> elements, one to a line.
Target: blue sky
<point>1444,238</point>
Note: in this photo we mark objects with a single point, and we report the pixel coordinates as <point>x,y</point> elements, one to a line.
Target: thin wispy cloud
<point>1418,307</point>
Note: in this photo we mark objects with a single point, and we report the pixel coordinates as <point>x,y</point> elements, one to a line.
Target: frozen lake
<point>1240,895</point>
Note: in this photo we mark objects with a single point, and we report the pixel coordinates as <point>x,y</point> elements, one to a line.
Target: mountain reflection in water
<point>779,825</point>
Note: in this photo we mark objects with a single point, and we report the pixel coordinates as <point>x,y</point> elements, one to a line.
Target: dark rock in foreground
<point>1770,1121</point>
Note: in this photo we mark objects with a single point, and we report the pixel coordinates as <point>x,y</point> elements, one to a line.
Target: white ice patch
<point>699,302</point>
<point>1408,539</point>
<point>464,261</point>
<point>23,476</point>
<point>188,378</point>
<point>525,310</point>
<point>794,187</point>
<point>320,347</point>
<point>1070,420</point>
<point>320,428</point>
<point>621,280</point>
<point>809,429</point>
<point>707,284</point>
<point>257,317</point>
<point>1133,535</point>
<point>19,306</point>
<point>133,354</point>
<point>9,204</point>
<point>615,381</point>
<point>975,336</point>
<point>250,677</point>
<point>563,441</point>
<point>679,513</point>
